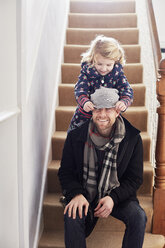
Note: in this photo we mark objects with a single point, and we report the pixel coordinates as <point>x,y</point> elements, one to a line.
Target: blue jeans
<point>130,213</point>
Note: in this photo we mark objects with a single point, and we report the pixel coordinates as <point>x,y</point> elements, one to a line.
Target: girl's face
<point>103,65</point>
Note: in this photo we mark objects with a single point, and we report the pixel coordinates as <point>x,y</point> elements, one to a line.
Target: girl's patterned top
<point>90,80</point>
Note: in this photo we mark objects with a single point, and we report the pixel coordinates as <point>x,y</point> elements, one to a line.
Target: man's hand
<point>104,207</point>
<point>88,106</point>
<point>77,203</point>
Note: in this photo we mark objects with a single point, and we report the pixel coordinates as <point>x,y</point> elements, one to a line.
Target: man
<point>101,170</point>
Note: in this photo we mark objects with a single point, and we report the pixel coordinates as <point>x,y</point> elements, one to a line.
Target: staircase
<point>118,19</point>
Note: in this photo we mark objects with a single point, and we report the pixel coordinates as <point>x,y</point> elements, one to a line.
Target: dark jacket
<point>129,164</point>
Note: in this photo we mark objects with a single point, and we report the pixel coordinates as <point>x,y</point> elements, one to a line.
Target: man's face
<point>104,119</point>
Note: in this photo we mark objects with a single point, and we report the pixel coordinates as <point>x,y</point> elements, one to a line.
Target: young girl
<point>101,66</point>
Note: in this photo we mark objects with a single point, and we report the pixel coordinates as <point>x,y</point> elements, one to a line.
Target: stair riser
<point>138,119</point>
<point>133,72</point>
<point>145,189</point>
<point>53,217</point>
<point>66,95</point>
<point>147,186</point>
<point>84,36</point>
<point>72,54</point>
<point>67,98</point>
<point>103,21</point>
<point>57,147</point>
<point>53,220</point>
<point>99,7</point>
<point>53,181</point>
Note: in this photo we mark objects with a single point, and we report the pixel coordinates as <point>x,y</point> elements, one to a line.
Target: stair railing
<point>159,183</point>
<point>159,187</point>
<point>154,34</point>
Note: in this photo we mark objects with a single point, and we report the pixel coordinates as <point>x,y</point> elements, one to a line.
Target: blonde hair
<point>106,47</point>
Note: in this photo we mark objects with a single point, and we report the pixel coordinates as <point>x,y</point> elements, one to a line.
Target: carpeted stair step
<point>114,240</point>
<point>102,6</point>
<point>53,215</point>
<point>60,136</point>
<point>54,185</point>
<point>55,239</point>
<point>72,53</point>
<point>133,72</point>
<point>136,115</point>
<point>67,98</point>
<point>126,20</point>
<point>83,36</point>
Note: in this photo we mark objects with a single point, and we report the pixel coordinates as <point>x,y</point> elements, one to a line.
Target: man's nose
<point>103,112</point>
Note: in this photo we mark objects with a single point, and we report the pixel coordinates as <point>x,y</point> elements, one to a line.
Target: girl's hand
<point>120,106</point>
<point>88,106</point>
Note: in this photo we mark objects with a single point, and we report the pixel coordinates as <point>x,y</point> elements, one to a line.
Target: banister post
<point>159,187</point>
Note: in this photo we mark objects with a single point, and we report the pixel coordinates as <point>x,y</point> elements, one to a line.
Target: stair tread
<point>141,85</point>
<point>102,14</point>
<point>103,29</point>
<point>100,239</point>
<point>78,64</point>
<point>102,20</point>
<point>87,46</point>
<point>52,199</point>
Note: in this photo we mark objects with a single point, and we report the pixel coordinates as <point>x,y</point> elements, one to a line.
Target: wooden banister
<point>154,34</point>
<point>159,188</point>
<point>159,184</point>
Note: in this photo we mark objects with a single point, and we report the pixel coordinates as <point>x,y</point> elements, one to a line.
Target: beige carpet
<point>116,18</point>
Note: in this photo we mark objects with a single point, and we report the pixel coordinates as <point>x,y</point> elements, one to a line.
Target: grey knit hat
<point>105,98</point>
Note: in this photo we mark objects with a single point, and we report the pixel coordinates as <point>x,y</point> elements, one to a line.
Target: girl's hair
<point>107,47</point>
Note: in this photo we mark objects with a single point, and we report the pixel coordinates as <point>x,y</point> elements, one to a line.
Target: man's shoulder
<point>79,133</point>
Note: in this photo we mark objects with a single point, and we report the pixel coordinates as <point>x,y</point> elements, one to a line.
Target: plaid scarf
<point>108,179</point>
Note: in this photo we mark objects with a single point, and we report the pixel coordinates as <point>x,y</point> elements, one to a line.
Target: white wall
<point>43,30</point>
<point>32,38</point>
<point>8,55</point>
<point>9,228</point>
<point>159,9</point>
